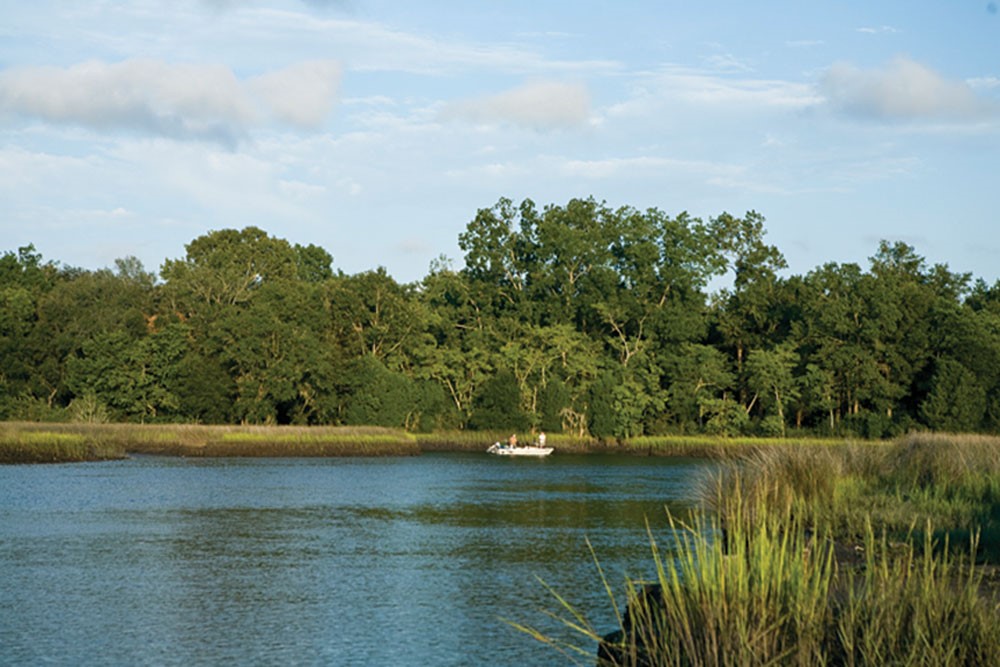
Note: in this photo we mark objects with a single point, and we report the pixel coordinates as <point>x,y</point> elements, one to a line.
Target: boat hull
<point>506,450</point>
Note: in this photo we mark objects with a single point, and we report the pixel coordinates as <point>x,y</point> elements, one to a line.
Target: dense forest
<point>578,318</point>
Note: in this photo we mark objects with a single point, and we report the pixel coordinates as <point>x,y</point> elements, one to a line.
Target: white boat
<point>518,450</point>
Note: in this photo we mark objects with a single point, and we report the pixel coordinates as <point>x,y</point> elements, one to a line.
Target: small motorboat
<point>503,449</point>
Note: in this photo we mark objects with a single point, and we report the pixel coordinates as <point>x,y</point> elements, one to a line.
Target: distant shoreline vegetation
<point>607,323</point>
<point>33,442</point>
<point>64,443</point>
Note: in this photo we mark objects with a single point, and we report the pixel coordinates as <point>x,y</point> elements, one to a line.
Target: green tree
<point>132,376</point>
<point>82,306</point>
<point>956,401</point>
<point>313,263</point>
<point>255,307</point>
<point>554,400</point>
<point>17,320</point>
<point>497,405</point>
<point>373,315</point>
<point>816,396</point>
<point>377,396</point>
<point>602,420</point>
<point>455,348</point>
<point>770,378</point>
<point>432,408</point>
<point>698,372</point>
<point>273,351</point>
<point>223,269</point>
<point>748,315</point>
<point>724,416</point>
<point>567,243</point>
<point>837,333</point>
<point>206,392</point>
<point>495,256</point>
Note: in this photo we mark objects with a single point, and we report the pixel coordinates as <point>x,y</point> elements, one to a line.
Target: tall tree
<point>497,405</point>
<point>376,395</point>
<point>770,378</point>
<point>275,354</point>
<point>132,376</point>
<point>956,401</point>
<point>226,268</point>
<point>374,315</point>
<point>747,314</point>
<point>697,374</point>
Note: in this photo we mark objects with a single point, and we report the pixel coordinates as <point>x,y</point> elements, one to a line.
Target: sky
<point>377,128</point>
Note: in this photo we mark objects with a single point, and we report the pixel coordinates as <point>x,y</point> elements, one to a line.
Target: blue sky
<point>376,129</point>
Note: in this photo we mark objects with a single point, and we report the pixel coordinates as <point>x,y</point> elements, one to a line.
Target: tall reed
<point>74,442</point>
<point>47,445</point>
<point>820,556</point>
<point>773,593</point>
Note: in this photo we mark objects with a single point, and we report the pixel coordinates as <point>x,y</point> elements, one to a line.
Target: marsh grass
<point>848,555</point>
<point>712,447</point>
<point>689,446</point>
<point>953,482</point>
<point>49,444</point>
<point>31,442</point>
<point>479,441</point>
<point>774,593</point>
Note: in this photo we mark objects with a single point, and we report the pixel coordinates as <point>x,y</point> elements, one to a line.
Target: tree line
<point>576,318</point>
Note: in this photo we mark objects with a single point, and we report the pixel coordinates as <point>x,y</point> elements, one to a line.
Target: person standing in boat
<point>512,440</point>
<point>541,438</point>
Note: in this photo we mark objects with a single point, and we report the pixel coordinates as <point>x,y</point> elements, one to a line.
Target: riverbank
<point>33,442</point>
<point>840,555</point>
<point>24,442</point>
<point>688,446</point>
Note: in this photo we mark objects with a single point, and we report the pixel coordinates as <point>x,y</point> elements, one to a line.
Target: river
<point>342,561</point>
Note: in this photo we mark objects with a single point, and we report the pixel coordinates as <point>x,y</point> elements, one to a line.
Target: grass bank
<point>36,443</point>
<point>850,555</point>
<point>694,446</point>
<point>949,481</point>
<point>24,443</point>
<point>479,441</point>
<point>27,442</point>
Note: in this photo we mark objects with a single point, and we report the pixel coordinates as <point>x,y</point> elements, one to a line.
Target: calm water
<point>397,561</point>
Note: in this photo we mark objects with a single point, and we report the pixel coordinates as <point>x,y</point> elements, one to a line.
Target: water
<point>358,561</point>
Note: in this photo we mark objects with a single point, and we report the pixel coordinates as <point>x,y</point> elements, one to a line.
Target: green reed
<point>773,593</point>
<point>713,447</point>
<point>951,481</point>
<point>848,555</point>
<point>479,441</point>
<point>45,445</point>
<point>76,442</point>
<point>695,446</point>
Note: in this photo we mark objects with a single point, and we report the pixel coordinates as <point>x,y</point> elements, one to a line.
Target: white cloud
<point>660,92</point>
<point>300,190</point>
<point>302,94</point>
<point>374,46</point>
<point>666,168</point>
<point>540,106</point>
<point>179,101</point>
<point>726,62</point>
<point>984,83</point>
<point>903,88</point>
<point>883,29</point>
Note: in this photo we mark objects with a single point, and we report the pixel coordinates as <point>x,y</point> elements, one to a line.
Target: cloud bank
<point>538,106</point>
<point>903,89</point>
<point>178,101</point>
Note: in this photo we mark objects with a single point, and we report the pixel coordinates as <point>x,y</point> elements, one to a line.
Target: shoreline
<point>33,442</point>
<point>42,442</point>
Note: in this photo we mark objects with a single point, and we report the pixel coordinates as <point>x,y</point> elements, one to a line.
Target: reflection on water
<point>409,561</point>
